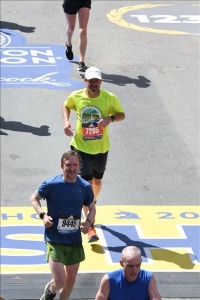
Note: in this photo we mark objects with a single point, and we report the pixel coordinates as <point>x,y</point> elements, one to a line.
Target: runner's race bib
<point>92,133</point>
<point>90,116</point>
<point>68,224</point>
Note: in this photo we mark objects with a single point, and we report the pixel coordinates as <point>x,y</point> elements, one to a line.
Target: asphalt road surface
<point>154,156</point>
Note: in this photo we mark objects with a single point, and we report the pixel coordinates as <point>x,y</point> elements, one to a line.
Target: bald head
<point>130,252</point>
<point>131,262</point>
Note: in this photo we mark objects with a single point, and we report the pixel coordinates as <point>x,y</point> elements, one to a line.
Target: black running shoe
<point>47,293</point>
<point>82,67</point>
<point>69,54</point>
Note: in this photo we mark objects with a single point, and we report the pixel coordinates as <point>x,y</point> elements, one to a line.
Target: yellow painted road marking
<point>153,224</point>
<point>116,16</point>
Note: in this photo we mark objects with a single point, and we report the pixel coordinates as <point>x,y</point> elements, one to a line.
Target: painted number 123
<point>168,18</point>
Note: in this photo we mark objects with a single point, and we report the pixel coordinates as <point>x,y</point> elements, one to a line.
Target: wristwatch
<point>112,118</point>
<point>41,215</point>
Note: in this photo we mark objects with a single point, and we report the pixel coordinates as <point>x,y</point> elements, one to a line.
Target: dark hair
<point>69,154</point>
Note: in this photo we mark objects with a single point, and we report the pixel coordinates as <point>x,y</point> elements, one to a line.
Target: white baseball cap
<point>93,72</point>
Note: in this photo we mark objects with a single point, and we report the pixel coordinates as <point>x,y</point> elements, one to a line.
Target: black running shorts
<point>71,7</point>
<point>92,165</point>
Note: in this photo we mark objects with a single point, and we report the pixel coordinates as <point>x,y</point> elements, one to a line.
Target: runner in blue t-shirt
<point>65,195</point>
<point>129,283</point>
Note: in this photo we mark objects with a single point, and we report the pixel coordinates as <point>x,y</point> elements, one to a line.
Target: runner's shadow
<point>14,26</point>
<point>18,126</point>
<point>141,82</point>
<point>97,249</point>
<point>182,260</point>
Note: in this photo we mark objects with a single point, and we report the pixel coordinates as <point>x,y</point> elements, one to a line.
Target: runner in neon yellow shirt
<point>96,109</point>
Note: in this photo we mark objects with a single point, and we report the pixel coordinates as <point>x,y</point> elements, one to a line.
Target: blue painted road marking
<point>36,66</point>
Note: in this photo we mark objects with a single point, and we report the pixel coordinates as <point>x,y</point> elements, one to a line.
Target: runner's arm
<point>153,290</point>
<point>66,124</point>
<point>119,117</point>
<point>104,289</point>
<point>115,118</point>
<point>35,200</point>
<point>90,218</point>
<point>92,212</point>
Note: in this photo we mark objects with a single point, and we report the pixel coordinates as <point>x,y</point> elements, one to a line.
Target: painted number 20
<point>168,18</point>
<point>185,215</point>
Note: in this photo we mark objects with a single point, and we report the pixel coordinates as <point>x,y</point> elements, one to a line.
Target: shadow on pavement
<point>182,260</point>
<point>14,26</point>
<point>18,126</point>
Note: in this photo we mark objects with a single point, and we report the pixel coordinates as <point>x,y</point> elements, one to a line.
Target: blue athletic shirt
<point>122,289</point>
<point>67,199</point>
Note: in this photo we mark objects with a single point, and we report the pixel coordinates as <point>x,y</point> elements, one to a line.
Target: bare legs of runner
<point>83,17</point>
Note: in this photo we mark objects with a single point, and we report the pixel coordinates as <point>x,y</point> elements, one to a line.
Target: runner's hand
<point>104,122</point>
<point>85,226</point>
<point>48,221</point>
<point>68,129</point>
